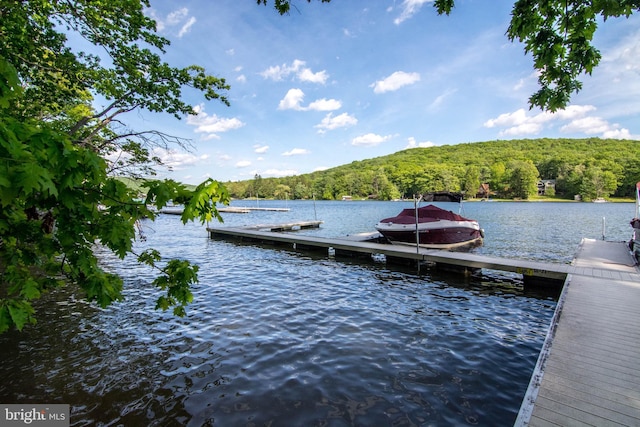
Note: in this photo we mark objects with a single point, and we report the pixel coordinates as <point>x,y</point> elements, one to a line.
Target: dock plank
<point>588,373</point>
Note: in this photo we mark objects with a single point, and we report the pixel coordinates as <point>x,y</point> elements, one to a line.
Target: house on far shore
<point>483,192</point>
<point>544,185</point>
<point>347,198</point>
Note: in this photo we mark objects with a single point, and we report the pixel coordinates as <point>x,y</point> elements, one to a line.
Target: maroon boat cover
<point>427,213</point>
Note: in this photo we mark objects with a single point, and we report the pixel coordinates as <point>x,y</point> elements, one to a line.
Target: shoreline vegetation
<point>536,199</point>
<point>530,169</point>
<point>591,168</point>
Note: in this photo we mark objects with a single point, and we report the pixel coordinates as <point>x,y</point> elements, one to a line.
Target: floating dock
<point>588,373</point>
<point>245,209</point>
<point>362,246</point>
<point>176,210</point>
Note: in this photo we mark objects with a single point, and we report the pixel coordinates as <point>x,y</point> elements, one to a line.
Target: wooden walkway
<point>588,373</point>
<point>353,246</point>
<point>177,210</point>
<point>246,209</point>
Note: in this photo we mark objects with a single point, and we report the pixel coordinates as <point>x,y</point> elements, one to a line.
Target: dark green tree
<point>597,183</point>
<point>58,192</point>
<point>471,181</point>
<point>523,179</point>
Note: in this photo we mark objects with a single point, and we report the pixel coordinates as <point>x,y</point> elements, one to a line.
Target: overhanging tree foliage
<point>557,33</point>
<point>58,155</point>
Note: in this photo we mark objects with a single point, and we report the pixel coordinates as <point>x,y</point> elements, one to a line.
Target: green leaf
<point>30,290</point>
<point>32,177</point>
<point>5,317</point>
<point>21,313</point>
<point>9,83</point>
<point>149,257</point>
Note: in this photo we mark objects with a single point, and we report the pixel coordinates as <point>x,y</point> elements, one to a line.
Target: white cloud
<point>578,118</point>
<point>260,149</point>
<point>241,78</point>
<point>620,134</point>
<point>294,97</point>
<point>395,81</point>
<point>330,123</point>
<point>296,152</point>
<point>626,56</point>
<point>413,144</point>
<point>370,140</point>
<point>306,75</point>
<point>178,19</point>
<point>278,72</point>
<point>588,125</point>
<point>177,16</point>
<point>518,123</point>
<point>519,85</point>
<point>173,160</point>
<point>441,98</point>
<point>598,126</point>
<point>177,160</point>
<point>212,125</point>
<point>409,8</point>
<point>273,73</point>
<point>298,70</point>
<point>186,27</point>
<point>243,164</point>
<point>325,105</point>
<point>292,100</point>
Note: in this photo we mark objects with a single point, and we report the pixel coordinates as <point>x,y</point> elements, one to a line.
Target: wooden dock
<point>246,209</point>
<point>177,210</point>
<point>588,373</point>
<point>353,246</point>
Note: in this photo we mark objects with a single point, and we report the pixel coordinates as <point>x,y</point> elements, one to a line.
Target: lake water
<point>277,337</point>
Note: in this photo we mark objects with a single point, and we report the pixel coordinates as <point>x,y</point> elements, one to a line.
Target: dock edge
<point>528,402</point>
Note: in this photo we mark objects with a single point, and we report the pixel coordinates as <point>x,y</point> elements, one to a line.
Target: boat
<point>172,210</point>
<point>437,228</point>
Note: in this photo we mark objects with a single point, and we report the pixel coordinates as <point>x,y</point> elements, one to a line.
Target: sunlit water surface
<point>277,337</point>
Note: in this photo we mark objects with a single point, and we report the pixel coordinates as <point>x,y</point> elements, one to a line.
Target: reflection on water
<point>277,337</point>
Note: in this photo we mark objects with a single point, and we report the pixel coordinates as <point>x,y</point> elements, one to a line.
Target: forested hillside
<point>588,167</point>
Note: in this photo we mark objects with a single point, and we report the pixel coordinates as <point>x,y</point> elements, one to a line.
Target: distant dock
<point>243,209</point>
<point>229,209</point>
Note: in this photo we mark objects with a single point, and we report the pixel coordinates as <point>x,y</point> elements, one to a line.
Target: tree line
<point>591,168</point>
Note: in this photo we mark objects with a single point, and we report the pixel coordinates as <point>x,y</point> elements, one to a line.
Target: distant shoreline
<point>534,200</point>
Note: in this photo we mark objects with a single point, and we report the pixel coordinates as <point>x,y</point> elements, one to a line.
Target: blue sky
<point>333,83</point>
